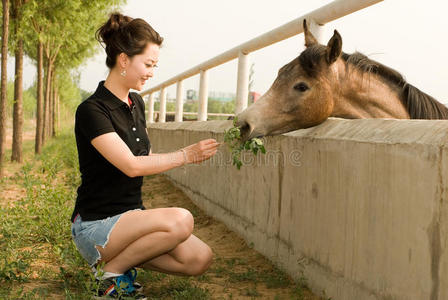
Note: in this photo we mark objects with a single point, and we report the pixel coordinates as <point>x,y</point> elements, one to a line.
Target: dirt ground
<point>14,192</point>
<point>232,256</point>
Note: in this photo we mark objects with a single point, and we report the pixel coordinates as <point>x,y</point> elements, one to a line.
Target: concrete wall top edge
<point>384,131</point>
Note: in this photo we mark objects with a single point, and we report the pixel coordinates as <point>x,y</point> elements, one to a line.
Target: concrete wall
<point>359,206</point>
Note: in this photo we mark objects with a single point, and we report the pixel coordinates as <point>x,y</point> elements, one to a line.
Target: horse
<point>325,82</point>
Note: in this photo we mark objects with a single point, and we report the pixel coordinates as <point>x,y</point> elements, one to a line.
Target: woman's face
<point>141,67</point>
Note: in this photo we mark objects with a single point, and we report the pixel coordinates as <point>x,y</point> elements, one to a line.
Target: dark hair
<point>124,34</point>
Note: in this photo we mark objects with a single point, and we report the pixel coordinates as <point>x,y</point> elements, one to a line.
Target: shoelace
<point>128,285</point>
<point>132,274</point>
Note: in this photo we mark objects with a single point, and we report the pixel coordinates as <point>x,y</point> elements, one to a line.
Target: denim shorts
<point>88,234</point>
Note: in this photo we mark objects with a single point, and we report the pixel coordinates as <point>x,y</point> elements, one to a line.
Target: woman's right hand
<point>201,151</point>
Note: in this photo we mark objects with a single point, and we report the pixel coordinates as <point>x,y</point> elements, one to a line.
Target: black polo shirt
<point>105,191</point>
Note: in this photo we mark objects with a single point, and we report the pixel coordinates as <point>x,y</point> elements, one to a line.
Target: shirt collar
<point>108,98</point>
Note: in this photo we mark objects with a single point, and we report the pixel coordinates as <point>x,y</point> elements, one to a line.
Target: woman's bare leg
<point>140,236</point>
<point>191,257</point>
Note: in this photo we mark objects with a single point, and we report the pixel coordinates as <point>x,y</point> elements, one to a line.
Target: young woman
<point>110,225</point>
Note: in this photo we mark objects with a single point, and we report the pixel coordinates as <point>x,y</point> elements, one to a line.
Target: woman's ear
<point>123,60</point>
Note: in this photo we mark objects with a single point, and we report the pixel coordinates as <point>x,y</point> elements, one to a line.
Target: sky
<point>407,35</point>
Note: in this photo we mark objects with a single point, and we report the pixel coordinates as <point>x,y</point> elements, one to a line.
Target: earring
<point>123,73</point>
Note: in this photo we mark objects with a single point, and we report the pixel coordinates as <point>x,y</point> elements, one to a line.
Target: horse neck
<point>360,95</point>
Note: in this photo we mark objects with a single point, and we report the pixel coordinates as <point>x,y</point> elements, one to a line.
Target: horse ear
<point>334,48</point>
<point>309,38</point>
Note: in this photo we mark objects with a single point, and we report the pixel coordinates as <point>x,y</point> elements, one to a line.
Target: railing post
<point>162,110</point>
<point>242,85</point>
<point>179,103</point>
<point>317,30</point>
<point>203,96</point>
<point>151,108</point>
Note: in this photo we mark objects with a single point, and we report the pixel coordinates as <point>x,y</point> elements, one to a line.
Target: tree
<point>33,48</point>
<point>75,21</point>
<point>58,35</point>
<point>4,79</point>
<point>40,96</point>
<point>63,32</point>
<point>17,21</point>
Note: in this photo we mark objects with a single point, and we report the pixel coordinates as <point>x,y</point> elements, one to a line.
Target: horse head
<point>300,96</point>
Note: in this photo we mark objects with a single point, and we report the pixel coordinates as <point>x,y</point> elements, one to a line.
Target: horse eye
<point>301,87</point>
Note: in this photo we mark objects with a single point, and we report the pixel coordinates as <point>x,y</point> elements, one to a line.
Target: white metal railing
<point>317,18</point>
<point>156,114</point>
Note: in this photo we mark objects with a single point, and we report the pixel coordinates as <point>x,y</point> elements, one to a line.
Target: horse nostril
<point>244,127</point>
<point>245,130</point>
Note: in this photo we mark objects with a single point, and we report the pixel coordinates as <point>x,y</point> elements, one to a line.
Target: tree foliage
<point>66,32</point>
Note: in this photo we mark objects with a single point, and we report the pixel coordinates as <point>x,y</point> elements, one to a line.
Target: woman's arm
<point>115,150</point>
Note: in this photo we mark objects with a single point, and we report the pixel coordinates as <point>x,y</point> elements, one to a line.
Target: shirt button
<point>137,139</point>
<point>134,129</point>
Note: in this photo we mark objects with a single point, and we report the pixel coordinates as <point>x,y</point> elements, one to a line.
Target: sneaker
<point>119,287</point>
<point>132,275</point>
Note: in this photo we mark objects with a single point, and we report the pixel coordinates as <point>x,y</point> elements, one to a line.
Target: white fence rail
<point>317,18</point>
<point>157,116</point>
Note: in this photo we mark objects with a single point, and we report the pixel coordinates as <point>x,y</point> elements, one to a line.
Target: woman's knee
<point>181,223</point>
<point>200,262</point>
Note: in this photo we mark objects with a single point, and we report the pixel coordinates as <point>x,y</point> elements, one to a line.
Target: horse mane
<point>418,104</point>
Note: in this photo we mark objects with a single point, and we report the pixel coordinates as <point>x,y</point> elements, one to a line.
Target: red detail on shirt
<point>129,101</point>
<point>74,220</point>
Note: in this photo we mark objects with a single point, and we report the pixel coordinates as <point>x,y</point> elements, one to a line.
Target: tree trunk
<point>3,97</point>
<point>53,104</point>
<point>58,124</point>
<point>56,110</point>
<point>47,101</point>
<point>40,96</point>
<point>44,130</point>
<point>50,107</point>
<point>18,105</point>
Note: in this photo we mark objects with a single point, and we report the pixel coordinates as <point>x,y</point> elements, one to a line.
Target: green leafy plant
<point>232,138</point>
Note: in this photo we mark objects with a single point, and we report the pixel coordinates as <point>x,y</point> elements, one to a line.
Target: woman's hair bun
<point>116,22</point>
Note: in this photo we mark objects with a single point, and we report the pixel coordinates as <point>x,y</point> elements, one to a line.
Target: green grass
<point>36,246</point>
<point>180,288</point>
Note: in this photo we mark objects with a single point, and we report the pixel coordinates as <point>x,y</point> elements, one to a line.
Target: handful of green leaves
<point>232,138</point>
